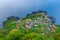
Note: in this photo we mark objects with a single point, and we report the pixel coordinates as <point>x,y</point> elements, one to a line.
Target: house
<point>28,24</point>
<point>53,25</point>
<point>49,29</point>
<point>19,22</point>
<point>39,20</point>
<point>44,23</point>
<point>35,23</point>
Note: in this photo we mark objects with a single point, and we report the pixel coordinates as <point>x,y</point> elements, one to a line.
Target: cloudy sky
<point>22,7</point>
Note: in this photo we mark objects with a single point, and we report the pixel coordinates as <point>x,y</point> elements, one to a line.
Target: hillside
<point>36,26</point>
<point>37,21</point>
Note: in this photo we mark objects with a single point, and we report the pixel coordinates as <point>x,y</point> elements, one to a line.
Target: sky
<point>21,8</point>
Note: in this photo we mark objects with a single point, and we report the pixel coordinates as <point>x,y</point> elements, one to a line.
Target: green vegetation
<point>36,26</point>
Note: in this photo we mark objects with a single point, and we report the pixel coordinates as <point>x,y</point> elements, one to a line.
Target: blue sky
<point>22,7</point>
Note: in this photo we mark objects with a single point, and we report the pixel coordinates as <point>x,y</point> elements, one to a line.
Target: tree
<point>14,34</point>
<point>33,36</point>
<point>12,18</point>
<point>4,23</point>
<point>2,35</point>
<point>52,18</point>
<point>9,21</point>
<point>56,36</point>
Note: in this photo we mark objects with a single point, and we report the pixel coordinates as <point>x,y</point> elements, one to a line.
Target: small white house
<point>19,22</point>
<point>35,23</point>
<point>28,25</point>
